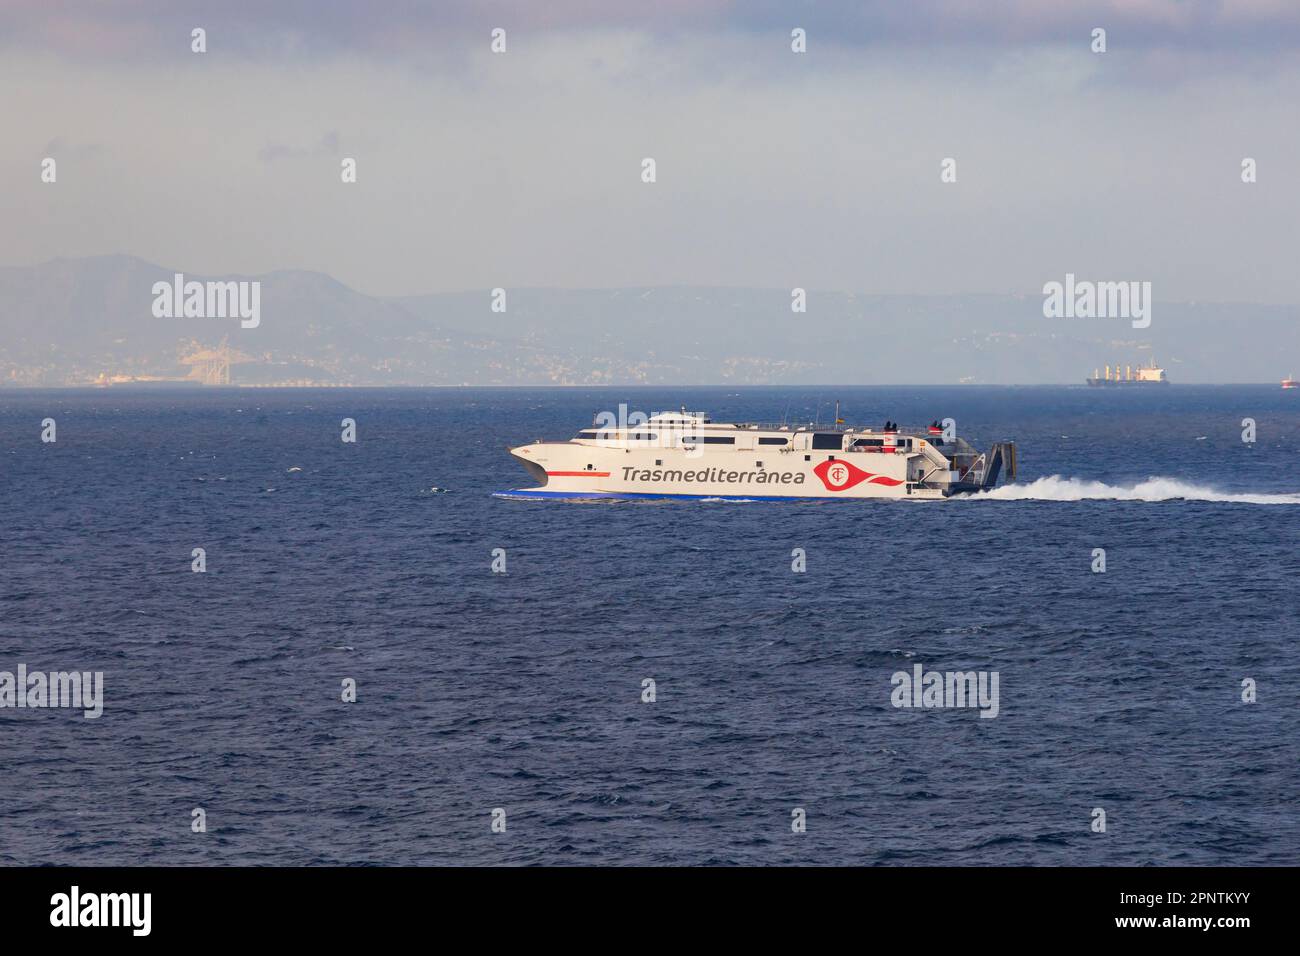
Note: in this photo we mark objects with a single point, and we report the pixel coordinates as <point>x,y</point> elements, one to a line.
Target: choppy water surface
<point>522,690</point>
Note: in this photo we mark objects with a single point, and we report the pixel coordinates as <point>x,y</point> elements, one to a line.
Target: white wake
<point>1057,488</point>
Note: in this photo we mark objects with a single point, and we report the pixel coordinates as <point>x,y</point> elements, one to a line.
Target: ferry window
<point>870,442</point>
<point>586,434</point>
<point>710,439</point>
<point>774,441</point>
<point>759,464</point>
<point>825,440</point>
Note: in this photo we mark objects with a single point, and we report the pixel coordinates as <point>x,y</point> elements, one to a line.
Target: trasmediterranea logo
<point>842,475</point>
<point>723,475</point>
<point>209,300</point>
<point>75,908</point>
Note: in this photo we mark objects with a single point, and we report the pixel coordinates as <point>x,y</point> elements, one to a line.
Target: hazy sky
<point>774,169</point>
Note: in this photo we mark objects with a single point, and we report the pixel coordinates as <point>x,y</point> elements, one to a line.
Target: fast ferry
<point>688,455</point>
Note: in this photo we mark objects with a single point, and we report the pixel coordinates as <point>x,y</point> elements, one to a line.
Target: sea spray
<point>1056,488</point>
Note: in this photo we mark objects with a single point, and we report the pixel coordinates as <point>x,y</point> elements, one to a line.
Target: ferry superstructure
<point>688,455</point>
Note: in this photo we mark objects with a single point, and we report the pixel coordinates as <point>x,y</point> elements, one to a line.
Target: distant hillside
<point>71,320</point>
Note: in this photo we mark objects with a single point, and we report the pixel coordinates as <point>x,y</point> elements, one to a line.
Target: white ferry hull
<point>576,471</point>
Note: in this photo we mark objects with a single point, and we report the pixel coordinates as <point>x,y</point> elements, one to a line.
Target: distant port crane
<point>212,366</point>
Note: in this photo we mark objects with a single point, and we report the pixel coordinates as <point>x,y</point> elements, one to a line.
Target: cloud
<point>294,29</point>
<point>328,145</point>
<point>821,170</point>
<point>59,148</point>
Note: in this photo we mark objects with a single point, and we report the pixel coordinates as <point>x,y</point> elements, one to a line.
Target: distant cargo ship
<point>1146,375</point>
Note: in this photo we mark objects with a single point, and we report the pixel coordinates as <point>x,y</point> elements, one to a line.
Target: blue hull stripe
<point>575,495</point>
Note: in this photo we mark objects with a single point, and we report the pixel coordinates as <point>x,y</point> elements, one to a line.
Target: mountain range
<point>75,321</point>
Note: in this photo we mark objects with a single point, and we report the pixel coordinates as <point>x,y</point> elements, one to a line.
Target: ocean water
<point>522,691</point>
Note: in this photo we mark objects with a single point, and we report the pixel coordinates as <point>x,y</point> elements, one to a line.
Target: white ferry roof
<point>700,419</point>
<point>680,418</point>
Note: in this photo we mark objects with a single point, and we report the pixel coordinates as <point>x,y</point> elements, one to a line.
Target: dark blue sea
<point>1120,691</point>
